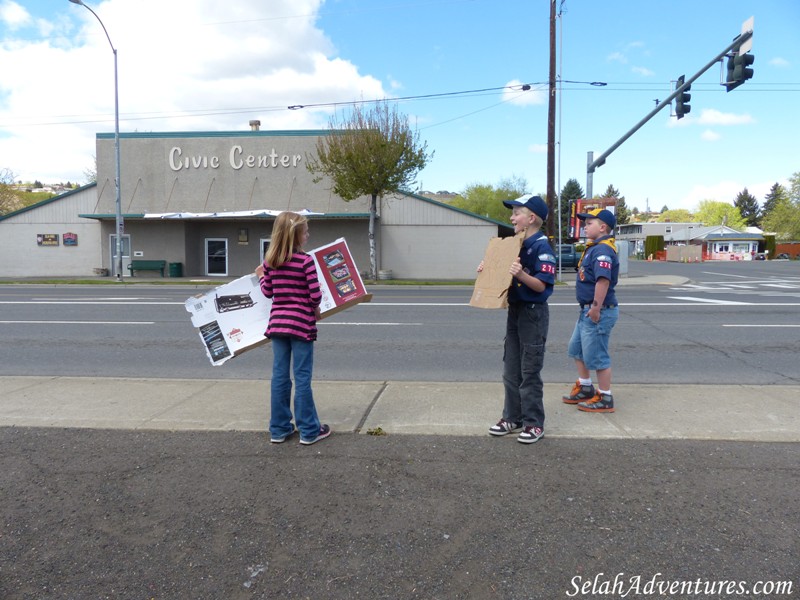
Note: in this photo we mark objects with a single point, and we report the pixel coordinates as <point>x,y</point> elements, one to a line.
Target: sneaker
<point>530,435</point>
<point>276,439</point>
<point>504,427</point>
<point>324,431</point>
<point>579,393</point>
<point>600,403</point>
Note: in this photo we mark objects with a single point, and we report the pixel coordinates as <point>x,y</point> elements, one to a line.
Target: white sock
<point>585,381</point>
<point>606,392</point>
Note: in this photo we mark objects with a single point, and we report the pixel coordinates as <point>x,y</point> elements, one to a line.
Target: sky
<point>455,67</point>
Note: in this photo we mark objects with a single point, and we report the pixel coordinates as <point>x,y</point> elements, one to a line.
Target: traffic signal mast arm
<point>737,42</point>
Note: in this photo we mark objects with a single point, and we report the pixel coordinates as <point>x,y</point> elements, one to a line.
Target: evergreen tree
<point>665,208</point>
<point>571,191</point>
<point>622,214</point>
<point>748,208</point>
<point>777,193</point>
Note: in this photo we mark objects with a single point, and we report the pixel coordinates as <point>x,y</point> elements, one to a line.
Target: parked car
<point>782,256</point>
<point>569,256</point>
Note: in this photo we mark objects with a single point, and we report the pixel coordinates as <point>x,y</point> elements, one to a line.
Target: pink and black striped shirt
<point>295,293</point>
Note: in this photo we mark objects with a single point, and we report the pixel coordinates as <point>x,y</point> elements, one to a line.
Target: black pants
<point>523,359</point>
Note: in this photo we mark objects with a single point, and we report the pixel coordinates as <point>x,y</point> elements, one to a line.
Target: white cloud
<point>779,62</point>
<point>13,16</point>
<point>644,71</point>
<point>709,116</point>
<point>200,66</point>
<point>537,148</point>
<point>617,57</point>
<point>723,191</point>
<point>514,94</point>
<point>710,136</point>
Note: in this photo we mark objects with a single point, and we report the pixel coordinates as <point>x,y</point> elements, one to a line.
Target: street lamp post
<point>117,199</point>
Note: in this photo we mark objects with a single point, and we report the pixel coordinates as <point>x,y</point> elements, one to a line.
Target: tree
<point>712,213</point>
<point>571,191</point>
<point>776,194</point>
<point>748,208</point>
<point>665,208</point>
<point>622,214</point>
<point>90,173</point>
<point>9,199</point>
<point>487,200</point>
<point>784,219</point>
<point>676,215</point>
<point>370,153</point>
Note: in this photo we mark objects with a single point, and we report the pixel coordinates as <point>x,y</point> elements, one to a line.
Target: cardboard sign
<point>232,318</point>
<point>492,283</point>
<point>339,278</point>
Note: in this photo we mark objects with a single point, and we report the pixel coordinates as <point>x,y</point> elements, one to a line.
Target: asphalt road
<point>732,323</point>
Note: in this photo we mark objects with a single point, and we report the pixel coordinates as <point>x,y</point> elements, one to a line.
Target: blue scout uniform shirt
<point>537,259</point>
<point>598,260</point>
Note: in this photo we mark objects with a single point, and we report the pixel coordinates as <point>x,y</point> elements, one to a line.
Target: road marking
<point>88,303</point>
<point>356,324</point>
<point>711,301</point>
<point>78,322</point>
<point>781,285</point>
<point>756,325</point>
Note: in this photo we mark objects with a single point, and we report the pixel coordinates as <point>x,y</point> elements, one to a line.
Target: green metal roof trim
<point>48,201</point>
<point>459,210</point>
<point>215,134</point>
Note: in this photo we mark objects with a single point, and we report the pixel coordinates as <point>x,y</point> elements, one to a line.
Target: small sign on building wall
<point>70,239</point>
<point>47,239</point>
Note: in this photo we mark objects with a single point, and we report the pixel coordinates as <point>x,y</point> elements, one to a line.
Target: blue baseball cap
<point>535,204</point>
<point>605,215</point>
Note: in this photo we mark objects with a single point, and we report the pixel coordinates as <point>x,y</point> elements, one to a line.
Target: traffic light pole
<point>600,161</point>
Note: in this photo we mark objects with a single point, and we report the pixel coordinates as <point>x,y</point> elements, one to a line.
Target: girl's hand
<point>260,271</point>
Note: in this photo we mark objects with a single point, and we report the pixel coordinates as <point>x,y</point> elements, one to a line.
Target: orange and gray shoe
<point>579,393</point>
<point>601,403</point>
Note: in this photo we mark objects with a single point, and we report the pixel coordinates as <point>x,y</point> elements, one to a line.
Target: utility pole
<point>551,129</point>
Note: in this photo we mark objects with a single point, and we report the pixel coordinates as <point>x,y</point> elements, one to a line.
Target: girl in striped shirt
<point>289,277</point>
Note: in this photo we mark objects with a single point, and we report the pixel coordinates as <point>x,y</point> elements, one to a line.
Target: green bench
<point>147,265</point>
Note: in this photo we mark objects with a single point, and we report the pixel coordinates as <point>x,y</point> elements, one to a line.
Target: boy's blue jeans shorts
<point>589,342</point>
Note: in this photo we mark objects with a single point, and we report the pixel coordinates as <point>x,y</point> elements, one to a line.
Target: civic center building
<point>205,202</point>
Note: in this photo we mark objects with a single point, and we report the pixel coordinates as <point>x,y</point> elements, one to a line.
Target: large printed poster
<point>339,278</point>
<point>232,318</point>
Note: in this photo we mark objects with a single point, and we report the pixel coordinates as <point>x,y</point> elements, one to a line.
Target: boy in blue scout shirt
<point>598,271</point>
<point>527,323</point>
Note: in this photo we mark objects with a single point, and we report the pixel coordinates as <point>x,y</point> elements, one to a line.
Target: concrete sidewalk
<point>699,412</point>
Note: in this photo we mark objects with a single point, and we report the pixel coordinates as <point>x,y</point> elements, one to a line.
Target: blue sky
<point>208,66</point>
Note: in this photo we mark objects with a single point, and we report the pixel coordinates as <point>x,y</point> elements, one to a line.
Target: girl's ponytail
<point>286,238</point>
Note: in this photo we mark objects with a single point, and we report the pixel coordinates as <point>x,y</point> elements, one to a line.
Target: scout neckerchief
<point>608,241</point>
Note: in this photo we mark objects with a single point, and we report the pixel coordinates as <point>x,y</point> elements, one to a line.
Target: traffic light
<point>682,99</point>
<point>739,70</point>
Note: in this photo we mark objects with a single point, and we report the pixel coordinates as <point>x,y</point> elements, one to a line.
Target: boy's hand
<point>516,267</point>
<point>480,267</point>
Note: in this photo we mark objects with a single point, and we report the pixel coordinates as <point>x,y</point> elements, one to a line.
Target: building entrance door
<point>217,256</point>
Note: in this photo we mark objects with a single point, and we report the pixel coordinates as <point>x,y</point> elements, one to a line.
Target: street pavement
<point>169,488</point>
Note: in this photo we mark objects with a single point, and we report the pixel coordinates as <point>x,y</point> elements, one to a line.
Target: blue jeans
<point>589,342</point>
<point>523,359</point>
<point>284,349</point>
